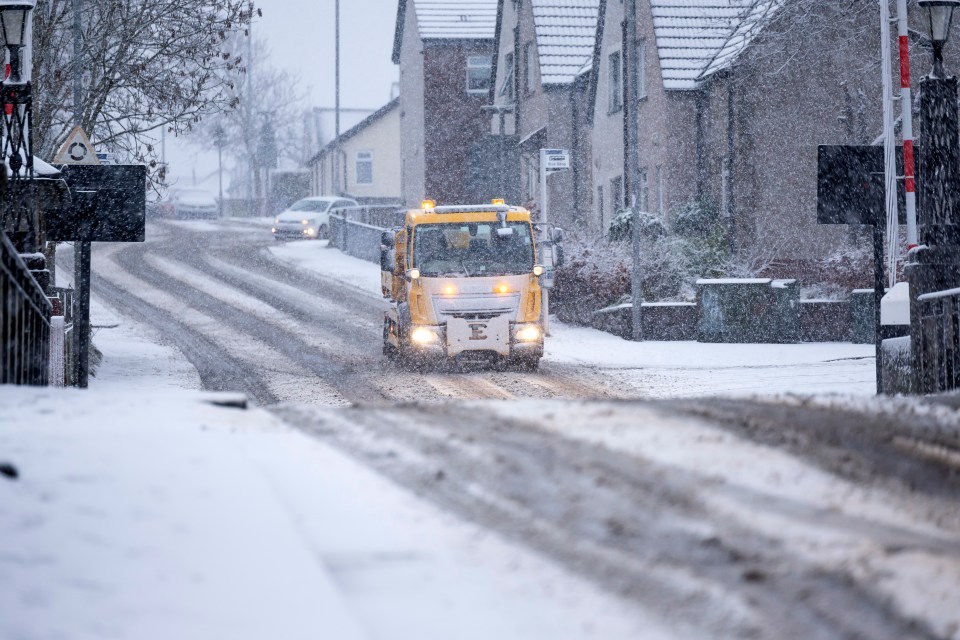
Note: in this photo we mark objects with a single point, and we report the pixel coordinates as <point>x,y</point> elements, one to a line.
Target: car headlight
<point>276,221</point>
<point>309,231</point>
<point>424,335</point>
<point>528,333</point>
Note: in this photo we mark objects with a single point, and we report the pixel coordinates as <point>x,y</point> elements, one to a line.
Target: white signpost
<point>551,161</point>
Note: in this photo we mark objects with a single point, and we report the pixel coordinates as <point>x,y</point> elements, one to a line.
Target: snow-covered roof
<point>566,30</point>
<point>697,38</point>
<point>353,131</point>
<point>447,20</point>
<point>456,18</point>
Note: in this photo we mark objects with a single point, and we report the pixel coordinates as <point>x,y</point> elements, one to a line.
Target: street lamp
<point>17,146</point>
<point>939,17</point>
<point>935,265</point>
<point>13,23</point>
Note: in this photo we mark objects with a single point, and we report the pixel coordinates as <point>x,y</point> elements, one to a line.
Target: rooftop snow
<point>697,38</point>
<point>566,30</point>
<point>456,18</point>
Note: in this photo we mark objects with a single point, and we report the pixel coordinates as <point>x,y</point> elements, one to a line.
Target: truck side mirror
<point>386,258</point>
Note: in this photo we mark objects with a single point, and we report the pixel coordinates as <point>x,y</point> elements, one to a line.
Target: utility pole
<point>336,119</point>
<point>81,256</point>
<point>221,140</point>
<point>633,162</point>
<point>252,163</point>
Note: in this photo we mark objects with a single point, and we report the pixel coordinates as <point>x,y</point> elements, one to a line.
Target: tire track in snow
<point>195,313</point>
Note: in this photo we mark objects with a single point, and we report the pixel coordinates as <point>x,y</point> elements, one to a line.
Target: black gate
<point>24,322</point>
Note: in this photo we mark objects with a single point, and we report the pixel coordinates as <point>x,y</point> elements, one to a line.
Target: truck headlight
<point>528,333</point>
<point>424,335</point>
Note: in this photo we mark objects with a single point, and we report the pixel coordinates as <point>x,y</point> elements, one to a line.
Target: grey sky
<point>300,34</point>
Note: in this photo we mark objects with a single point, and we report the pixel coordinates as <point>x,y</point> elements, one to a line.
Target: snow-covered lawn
<point>662,369</point>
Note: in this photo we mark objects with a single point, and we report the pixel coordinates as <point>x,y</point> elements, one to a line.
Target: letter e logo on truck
<point>477,331</point>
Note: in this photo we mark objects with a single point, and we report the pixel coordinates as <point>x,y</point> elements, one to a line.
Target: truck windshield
<point>472,249</point>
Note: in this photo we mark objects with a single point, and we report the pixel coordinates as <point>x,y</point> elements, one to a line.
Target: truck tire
<point>389,350</point>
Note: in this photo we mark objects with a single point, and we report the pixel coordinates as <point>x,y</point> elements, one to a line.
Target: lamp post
<point>19,215</point>
<point>220,139</point>
<point>939,15</point>
<point>935,265</point>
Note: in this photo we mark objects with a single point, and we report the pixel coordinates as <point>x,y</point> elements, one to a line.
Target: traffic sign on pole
<point>77,149</point>
<point>556,159</point>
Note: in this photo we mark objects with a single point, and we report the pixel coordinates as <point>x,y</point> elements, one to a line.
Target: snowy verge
<point>159,515</point>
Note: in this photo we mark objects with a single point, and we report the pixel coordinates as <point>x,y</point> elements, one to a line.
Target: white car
<point>188,203</point>
<point>308,218</point>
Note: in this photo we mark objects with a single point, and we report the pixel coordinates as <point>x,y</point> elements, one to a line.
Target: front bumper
<point>441,348</point>
<point>294,231</point>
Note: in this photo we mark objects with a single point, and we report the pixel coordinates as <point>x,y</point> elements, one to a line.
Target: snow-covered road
<point>787,517</point>
<point>302,322</point>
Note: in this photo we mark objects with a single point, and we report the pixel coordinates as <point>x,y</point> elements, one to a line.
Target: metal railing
<point>384,216</point>
<point>939,342</point>
<point>356,230</point>
<point>24,322</point>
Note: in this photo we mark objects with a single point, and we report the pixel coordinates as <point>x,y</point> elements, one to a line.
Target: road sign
<point>77,149</point>
<point>850,184</point>
<point>109,204</point>
<point>556,159</point>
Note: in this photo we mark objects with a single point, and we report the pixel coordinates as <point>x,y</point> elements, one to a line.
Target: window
<point>533,177</point>
<point>642,70</point>
<point>600,202</point>
<point>475,248</point>
<point>364,167</point>
<point>506,88</point>
<point>479,69</point>
<point>528,67</point>
<point>660,191</point>
<point>643,190</point>
<point>615,89</point>
<point>616,194</point>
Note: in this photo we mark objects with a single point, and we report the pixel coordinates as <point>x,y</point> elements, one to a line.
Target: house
<point>541,79</point>
<point>444,49</point>
<point>369,157</point>
<point>732,103</point>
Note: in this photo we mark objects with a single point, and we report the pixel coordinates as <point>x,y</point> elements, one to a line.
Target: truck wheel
<point>323,233</point>
<point>389,350</point>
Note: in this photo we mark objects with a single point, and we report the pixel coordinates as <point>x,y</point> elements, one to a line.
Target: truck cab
<point>465,286</point>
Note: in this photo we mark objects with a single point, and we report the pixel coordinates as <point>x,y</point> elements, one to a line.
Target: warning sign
<point>77,149</point>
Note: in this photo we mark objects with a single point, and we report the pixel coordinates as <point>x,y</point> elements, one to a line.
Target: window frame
<point>642,70</point>
<point>508,87</point>
<point>616,194</point>
<point>528,64</point>
<point>472,66</point>
<point>614,82</point>
<point>357,161</point>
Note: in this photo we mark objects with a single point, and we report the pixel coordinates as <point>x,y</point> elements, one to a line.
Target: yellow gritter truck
<point>465,286</point>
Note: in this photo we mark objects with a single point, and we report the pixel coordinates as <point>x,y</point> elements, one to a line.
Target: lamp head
<point>13,21</point>
<point>939,14</point>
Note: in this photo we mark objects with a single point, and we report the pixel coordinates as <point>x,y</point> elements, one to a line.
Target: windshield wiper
<point>465,270</point>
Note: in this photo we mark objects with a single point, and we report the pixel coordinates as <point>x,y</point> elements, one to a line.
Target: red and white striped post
<point>906,107</point>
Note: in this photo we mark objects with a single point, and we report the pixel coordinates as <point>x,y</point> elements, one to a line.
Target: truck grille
<point>481,308</point>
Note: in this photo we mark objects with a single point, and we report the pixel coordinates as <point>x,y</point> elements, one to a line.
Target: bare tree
<point>146,65</point>
<point>263,94</point>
